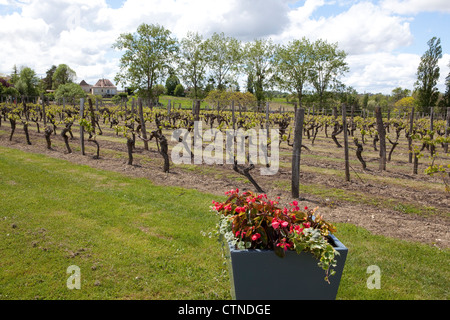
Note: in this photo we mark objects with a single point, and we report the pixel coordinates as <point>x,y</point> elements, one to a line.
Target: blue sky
<point>384,39</point>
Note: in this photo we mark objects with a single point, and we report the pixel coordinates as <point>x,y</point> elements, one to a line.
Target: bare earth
<point>430,229</point>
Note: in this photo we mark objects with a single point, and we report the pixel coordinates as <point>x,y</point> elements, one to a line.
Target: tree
<point>293,62</point>
<point>70,91</point>
<point>148,54</point>
<point>445,102</point>
<point>328,65</point>
<point>14,75</point>
<point>259,56</point>
<point>225,57</point>
<point>63,75</point>
<point>405,104</point>
<point>179,90</point>
<point>171,83</point>
<point>428,75</point>
<point>399,93</point>
<point>27,83</point>
<point>193,62</point>
<point>47,82</point>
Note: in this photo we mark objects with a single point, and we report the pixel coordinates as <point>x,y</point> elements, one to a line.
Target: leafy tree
<point>225,58</point>
<point>328,65</point>
<point>70,91</point>
<point>428,75</point>
<point>171,83</point>
<point>28,82</point>
<point>179,90</point>
<point>399,93</point>
<point>47,82</point>
<point>14,75</point>
<point>293,62</point>
<point>445,102</point>
<point>405,104</point>
<point>193,62</point>
<point>259,56</point>
<point>148,54</point>
<point>63,75</point>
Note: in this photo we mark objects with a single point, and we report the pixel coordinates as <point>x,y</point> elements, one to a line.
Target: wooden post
<point>447,128</point>
<point>411,126</point>
<point>232,115</point>
<point>344,123</point>
<point>43,111</point>
<point>81,127</point>
<point>168,107</point>
<point>143,130</point>
<point>296,152</point>
<point>382,137</point>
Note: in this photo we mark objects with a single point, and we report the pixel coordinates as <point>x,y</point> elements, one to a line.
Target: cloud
<point>382,72</point>
<point>416,6</point>
<point>80,33</point>
<point>363,28</point>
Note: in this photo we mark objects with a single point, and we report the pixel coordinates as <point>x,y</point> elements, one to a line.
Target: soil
<point>428,229</point>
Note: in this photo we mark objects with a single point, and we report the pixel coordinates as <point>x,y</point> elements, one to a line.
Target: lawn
<point>132,239</point>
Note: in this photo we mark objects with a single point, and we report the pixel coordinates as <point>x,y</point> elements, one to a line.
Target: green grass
<point>134,240</point>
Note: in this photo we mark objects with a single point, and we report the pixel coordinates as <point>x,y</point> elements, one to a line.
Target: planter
<point>262,275</point>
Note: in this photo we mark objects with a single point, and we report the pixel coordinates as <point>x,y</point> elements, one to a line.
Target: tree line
<point>310,71</point>
<point>152,55</point>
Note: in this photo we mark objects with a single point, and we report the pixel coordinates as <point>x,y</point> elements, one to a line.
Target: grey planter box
<point>262,275</point>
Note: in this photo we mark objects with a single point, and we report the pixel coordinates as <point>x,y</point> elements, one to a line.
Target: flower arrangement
<point>251,221</point>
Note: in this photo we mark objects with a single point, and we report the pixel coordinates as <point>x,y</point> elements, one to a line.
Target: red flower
<point>306,208</point>
<point>284,224</point>
<point>295,203</point>
<point>256,236</point>
<point>307,224</point>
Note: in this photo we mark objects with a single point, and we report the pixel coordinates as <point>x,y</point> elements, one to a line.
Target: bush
<point>179,90</point>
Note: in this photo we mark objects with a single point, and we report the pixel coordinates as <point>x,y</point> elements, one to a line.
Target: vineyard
<point>394,182</point>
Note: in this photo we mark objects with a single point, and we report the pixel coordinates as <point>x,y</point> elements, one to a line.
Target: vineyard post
<point>81,127</point>
<point>296,152</point>
<point>411,125</point>
<point>168,107</point>
<point>447,127</point>
<point>143,130</point>
<point>43,110</point>
<point>232,115</point>
<point>344,123</point>
<point>432,147</point>
<point>382,136</point>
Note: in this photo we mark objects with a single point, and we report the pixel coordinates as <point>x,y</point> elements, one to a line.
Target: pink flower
<point>275,224</point>
<point>284,224</point>
<point>295,203</point>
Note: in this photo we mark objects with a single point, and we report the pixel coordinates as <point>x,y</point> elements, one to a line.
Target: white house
<point>104,87</point>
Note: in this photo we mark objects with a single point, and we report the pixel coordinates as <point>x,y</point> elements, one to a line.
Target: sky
<point>384,39</point>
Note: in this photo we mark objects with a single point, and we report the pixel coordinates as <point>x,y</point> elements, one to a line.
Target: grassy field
<point>132,239</point>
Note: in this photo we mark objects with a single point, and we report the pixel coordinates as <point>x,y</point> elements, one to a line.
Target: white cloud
<point>364,28</point>
<point>382,72</point>
<point>416,6</point>
<point>81,32</point>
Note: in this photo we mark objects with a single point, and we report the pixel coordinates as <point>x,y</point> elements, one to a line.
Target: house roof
<point>84,83</point>
<point>104,83</point>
